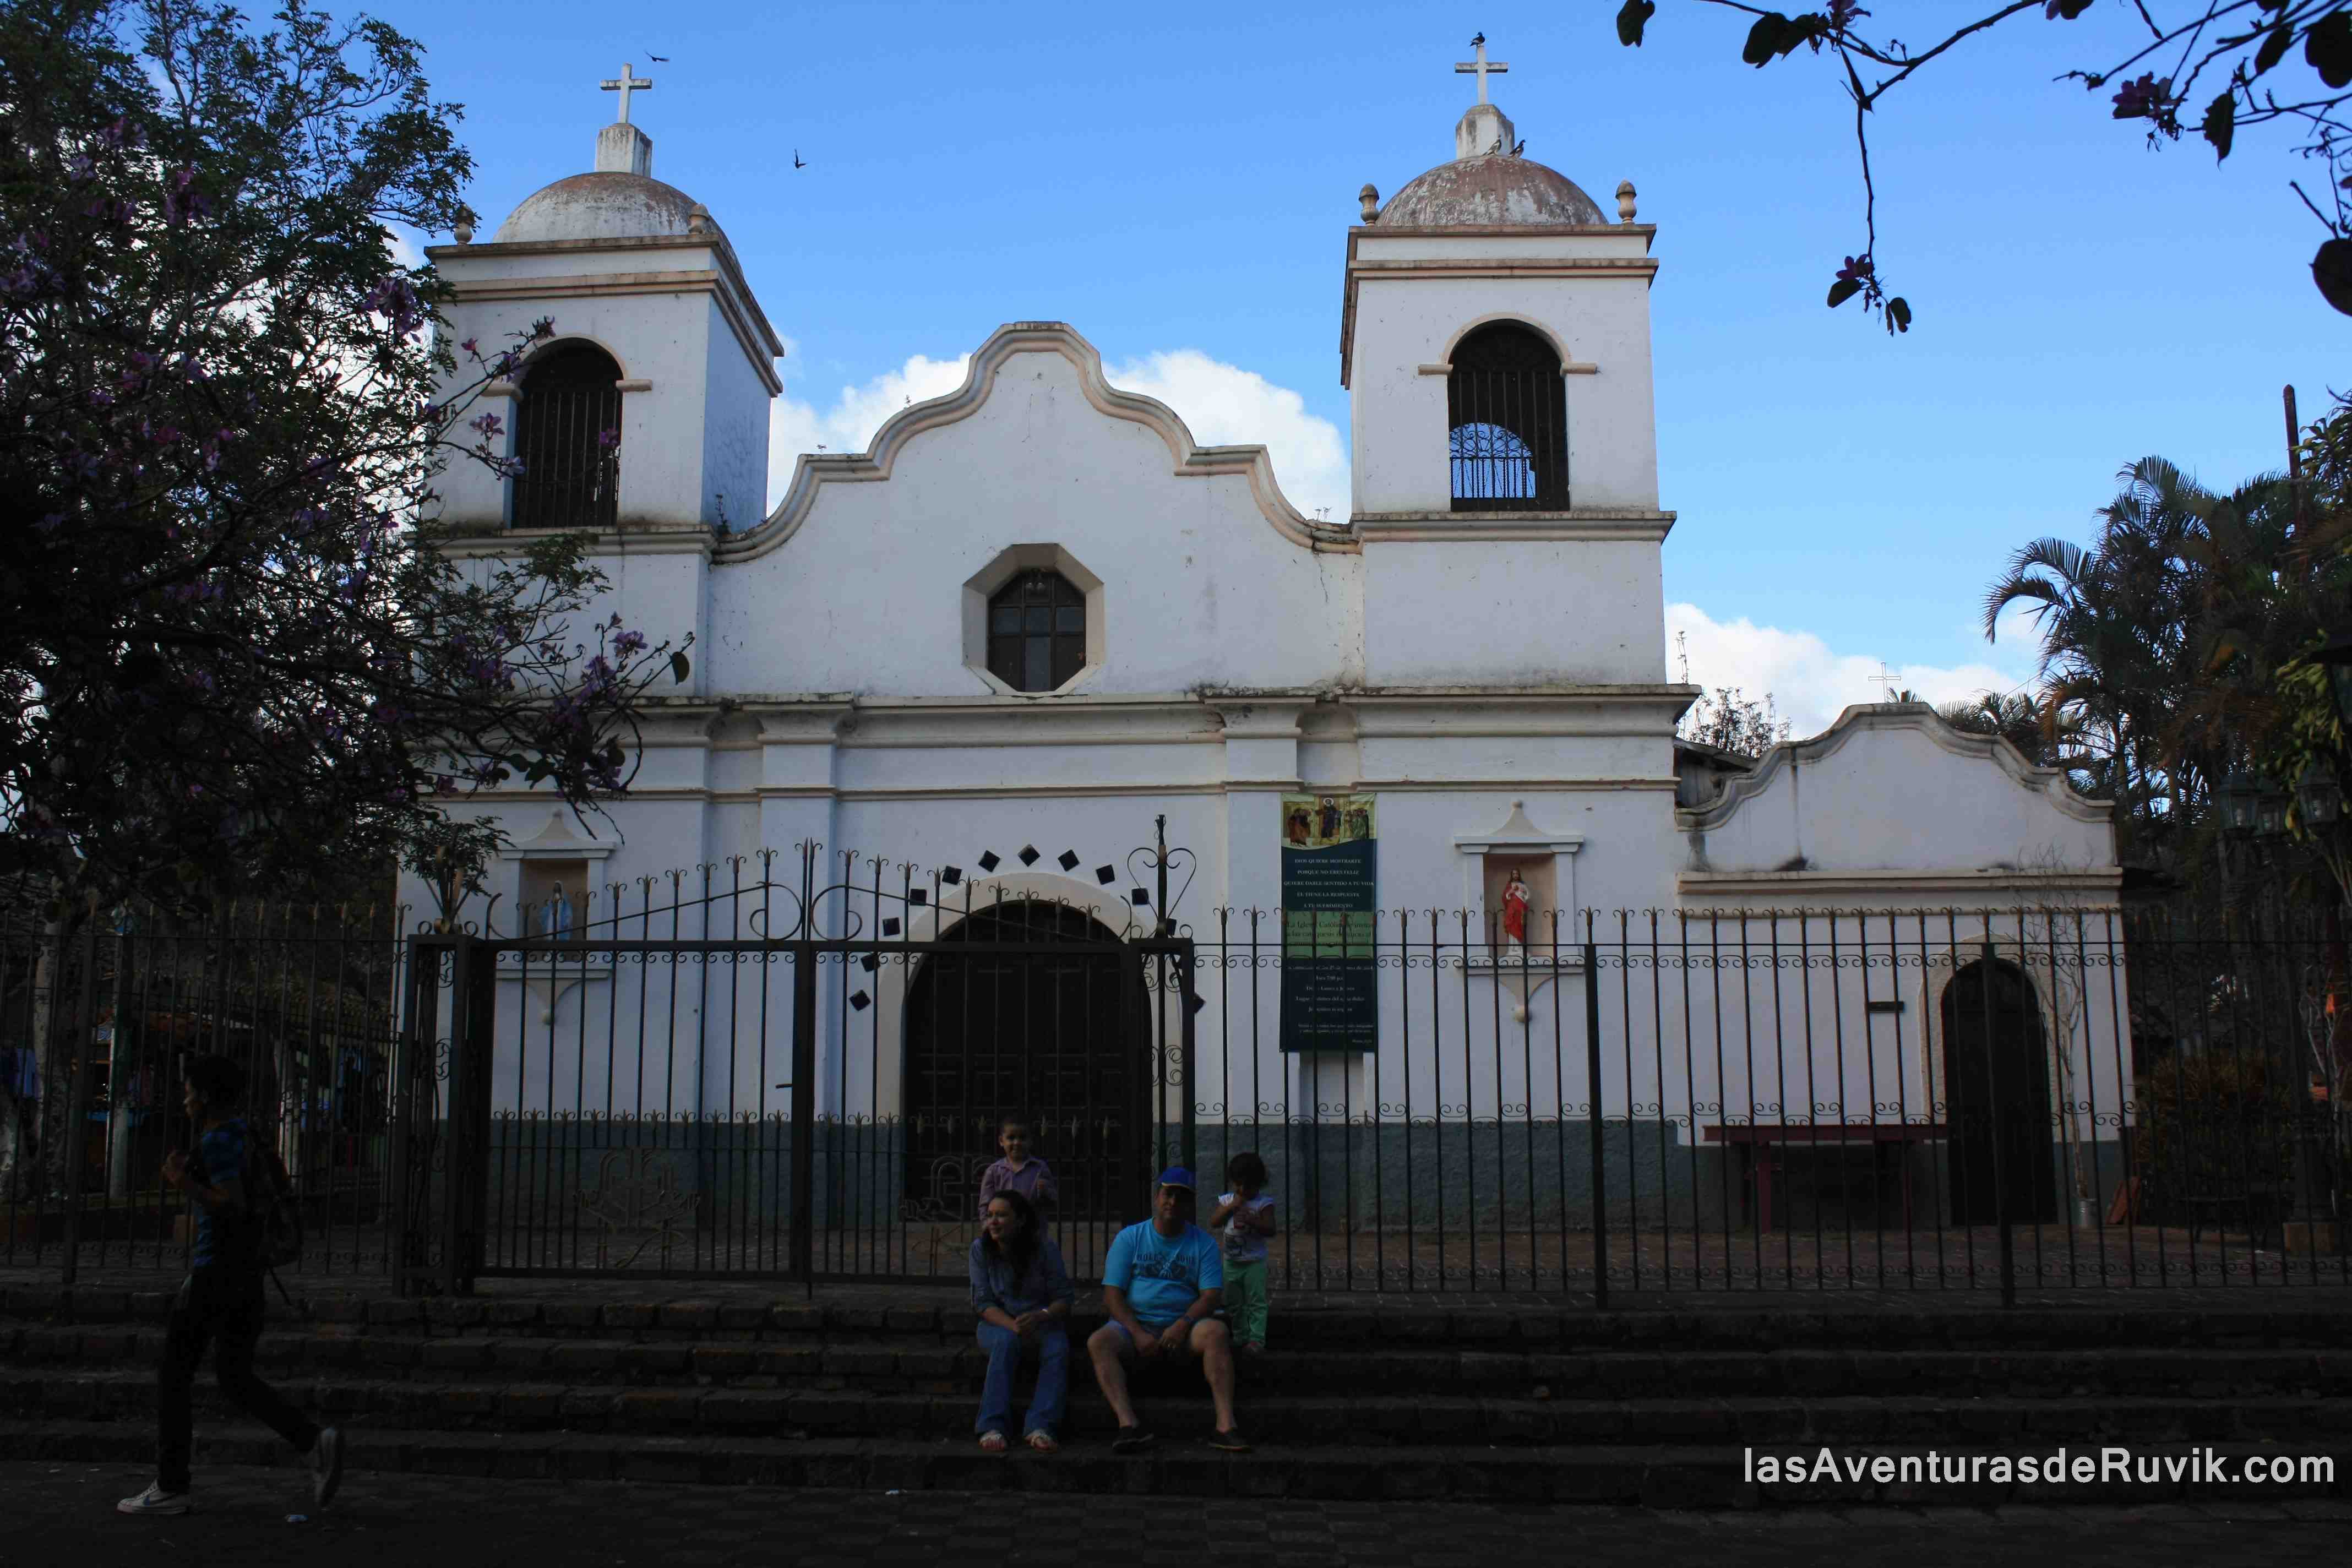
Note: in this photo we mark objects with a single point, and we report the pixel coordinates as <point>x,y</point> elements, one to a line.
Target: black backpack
<point>273,1219</point>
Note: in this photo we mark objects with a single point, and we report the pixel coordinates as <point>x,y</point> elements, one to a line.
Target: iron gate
<point>669,1089</point>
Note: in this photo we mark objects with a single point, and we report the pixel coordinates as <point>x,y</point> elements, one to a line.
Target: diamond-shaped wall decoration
<point>1029,856</point>
<point>1069,861</point>
<point>988,862</point>
<point>919,896</point>
<point>891,926</point>
<point>1138,896</point>
<point>1105,875</point>
<point>860,1001</point>
<point>867,963</point>
<point>952,875</point>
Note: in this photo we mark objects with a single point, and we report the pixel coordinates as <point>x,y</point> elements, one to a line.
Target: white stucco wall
<point>1893,789</point>
<point>698,428</point>
<point>1405,320</point>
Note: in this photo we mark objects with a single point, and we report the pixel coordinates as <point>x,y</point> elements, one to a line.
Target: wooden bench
<point>1765,1142</point>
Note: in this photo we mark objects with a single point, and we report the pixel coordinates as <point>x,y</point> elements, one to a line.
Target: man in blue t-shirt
<point>1162,1280</point>
<point>220,1303</point>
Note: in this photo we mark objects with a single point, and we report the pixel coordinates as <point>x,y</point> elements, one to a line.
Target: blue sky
<point>1177,183</point>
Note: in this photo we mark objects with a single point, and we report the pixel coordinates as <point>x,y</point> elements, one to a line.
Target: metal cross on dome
<point>1478,67</point>
<point>628,83</point>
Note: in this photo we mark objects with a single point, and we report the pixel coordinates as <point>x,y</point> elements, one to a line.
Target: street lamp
<point>2241,797</point>
<point>2270,814</point>
<point>2336,658</point>
<point>2321,797</point>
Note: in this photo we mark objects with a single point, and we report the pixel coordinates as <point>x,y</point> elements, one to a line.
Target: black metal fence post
<point>804,1111</point>
<point>83,1041</point>
<point>414,1109</point>
<point>1186,1013</point>
<point>1600,1164</point>
<point>473,1024</point>
<point>1991,971</point>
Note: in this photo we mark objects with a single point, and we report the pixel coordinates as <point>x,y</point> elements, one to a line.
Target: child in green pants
<point>1245,1217</point>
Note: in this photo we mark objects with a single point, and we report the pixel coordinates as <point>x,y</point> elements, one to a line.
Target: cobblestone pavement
<point>64,1514</point>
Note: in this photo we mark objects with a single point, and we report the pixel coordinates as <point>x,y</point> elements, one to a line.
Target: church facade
<point>1036,617</point>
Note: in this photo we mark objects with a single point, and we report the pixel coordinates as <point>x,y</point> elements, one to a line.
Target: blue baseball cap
<point>1176,1177</point>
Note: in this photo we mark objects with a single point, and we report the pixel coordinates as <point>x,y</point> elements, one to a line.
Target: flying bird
<point>658,59</point>
<point>799,162</point>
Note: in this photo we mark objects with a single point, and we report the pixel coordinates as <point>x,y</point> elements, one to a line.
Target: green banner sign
<point>1330,880</point>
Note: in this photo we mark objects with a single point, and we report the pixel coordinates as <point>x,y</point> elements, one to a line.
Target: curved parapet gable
<point>1894,802</point>
<point>1190,460</point>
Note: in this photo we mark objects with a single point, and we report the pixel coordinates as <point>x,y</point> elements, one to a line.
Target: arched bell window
<point>568,438</point>
<point>1507,422</point>
<point>1036,631</point>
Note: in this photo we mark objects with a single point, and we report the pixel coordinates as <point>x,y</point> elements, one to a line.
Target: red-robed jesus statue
<point>1515,911</point>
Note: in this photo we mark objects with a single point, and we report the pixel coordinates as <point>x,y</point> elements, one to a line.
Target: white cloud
<point>1809,683</point>
<point>794,427</point>
<point>1221,404</point>
<point>1226,406</point>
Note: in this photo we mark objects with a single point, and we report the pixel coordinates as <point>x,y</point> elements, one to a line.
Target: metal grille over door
<point>1039,1018</point>
<point>568,436</point>
<point>1507,422</point>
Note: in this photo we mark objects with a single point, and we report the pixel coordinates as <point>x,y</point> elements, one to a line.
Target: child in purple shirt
<point>1020,1171</point>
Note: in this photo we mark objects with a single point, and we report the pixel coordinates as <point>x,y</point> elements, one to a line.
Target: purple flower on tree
<point>2143,99</point>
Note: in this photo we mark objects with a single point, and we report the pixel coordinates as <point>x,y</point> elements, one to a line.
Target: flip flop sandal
<point>992,1443</point>
<point>1043,1442</point>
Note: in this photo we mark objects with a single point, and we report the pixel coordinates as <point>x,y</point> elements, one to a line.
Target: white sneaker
<point>326,1466</point>
<point>154,1500</point>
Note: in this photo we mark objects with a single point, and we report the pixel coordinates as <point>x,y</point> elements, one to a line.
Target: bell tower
<point>1495,341</point>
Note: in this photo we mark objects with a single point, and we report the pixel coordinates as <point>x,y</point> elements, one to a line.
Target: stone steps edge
<point>125,1399</point>
<point>1681,1479</point>
<point>2153,1326</point>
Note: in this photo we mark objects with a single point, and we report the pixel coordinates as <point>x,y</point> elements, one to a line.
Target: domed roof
<point>605,204</point>
<point>1493,188</point>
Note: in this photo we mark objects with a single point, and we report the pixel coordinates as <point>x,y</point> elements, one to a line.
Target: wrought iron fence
<point>721,1073</point>
<point>718,1075</point>
<point>98,1015</point>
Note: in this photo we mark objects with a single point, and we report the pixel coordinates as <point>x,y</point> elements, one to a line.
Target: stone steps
<point>127,1395</point>
<point>1664,1477</point>
<point>2251,1319</point>
<point>929,1363</point>
<point>877,1388</point>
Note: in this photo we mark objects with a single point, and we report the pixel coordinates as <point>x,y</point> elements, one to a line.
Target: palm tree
<point>2115,661</point>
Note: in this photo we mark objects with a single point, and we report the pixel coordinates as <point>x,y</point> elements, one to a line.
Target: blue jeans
<point>1005,1349</point>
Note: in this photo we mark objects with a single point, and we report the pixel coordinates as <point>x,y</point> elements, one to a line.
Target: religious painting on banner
<point>1330,1000</point>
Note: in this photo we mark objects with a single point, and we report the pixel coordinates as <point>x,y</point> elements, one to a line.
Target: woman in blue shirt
<point>1023,1295</point>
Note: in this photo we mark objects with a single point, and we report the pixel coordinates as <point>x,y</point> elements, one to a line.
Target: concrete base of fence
<point>737,1176</point>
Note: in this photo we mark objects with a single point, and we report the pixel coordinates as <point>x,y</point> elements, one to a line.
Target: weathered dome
<point>1493,188</point>
<point>605,204</point>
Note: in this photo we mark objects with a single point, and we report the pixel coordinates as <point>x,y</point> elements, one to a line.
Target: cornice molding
<point>2051,784</point>
<point>1630,525</point>
<point>1909,885</point>
<point>467,541</point>
<point>812,472</point>
<point>716,245</point>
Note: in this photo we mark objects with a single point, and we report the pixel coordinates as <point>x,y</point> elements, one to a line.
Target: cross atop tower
<point>1478,68</point>
<point>628,81</point>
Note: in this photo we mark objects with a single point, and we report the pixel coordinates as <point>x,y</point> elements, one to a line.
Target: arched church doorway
<point>1996,1097</point>
<point>1042,1017</point>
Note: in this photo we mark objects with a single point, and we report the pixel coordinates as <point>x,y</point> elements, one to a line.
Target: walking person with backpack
<point>239,1190</point>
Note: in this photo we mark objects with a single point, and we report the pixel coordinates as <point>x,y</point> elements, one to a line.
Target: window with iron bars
<point>568,437</point>
<point>1506,420</point>
<point>1036,631</point>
